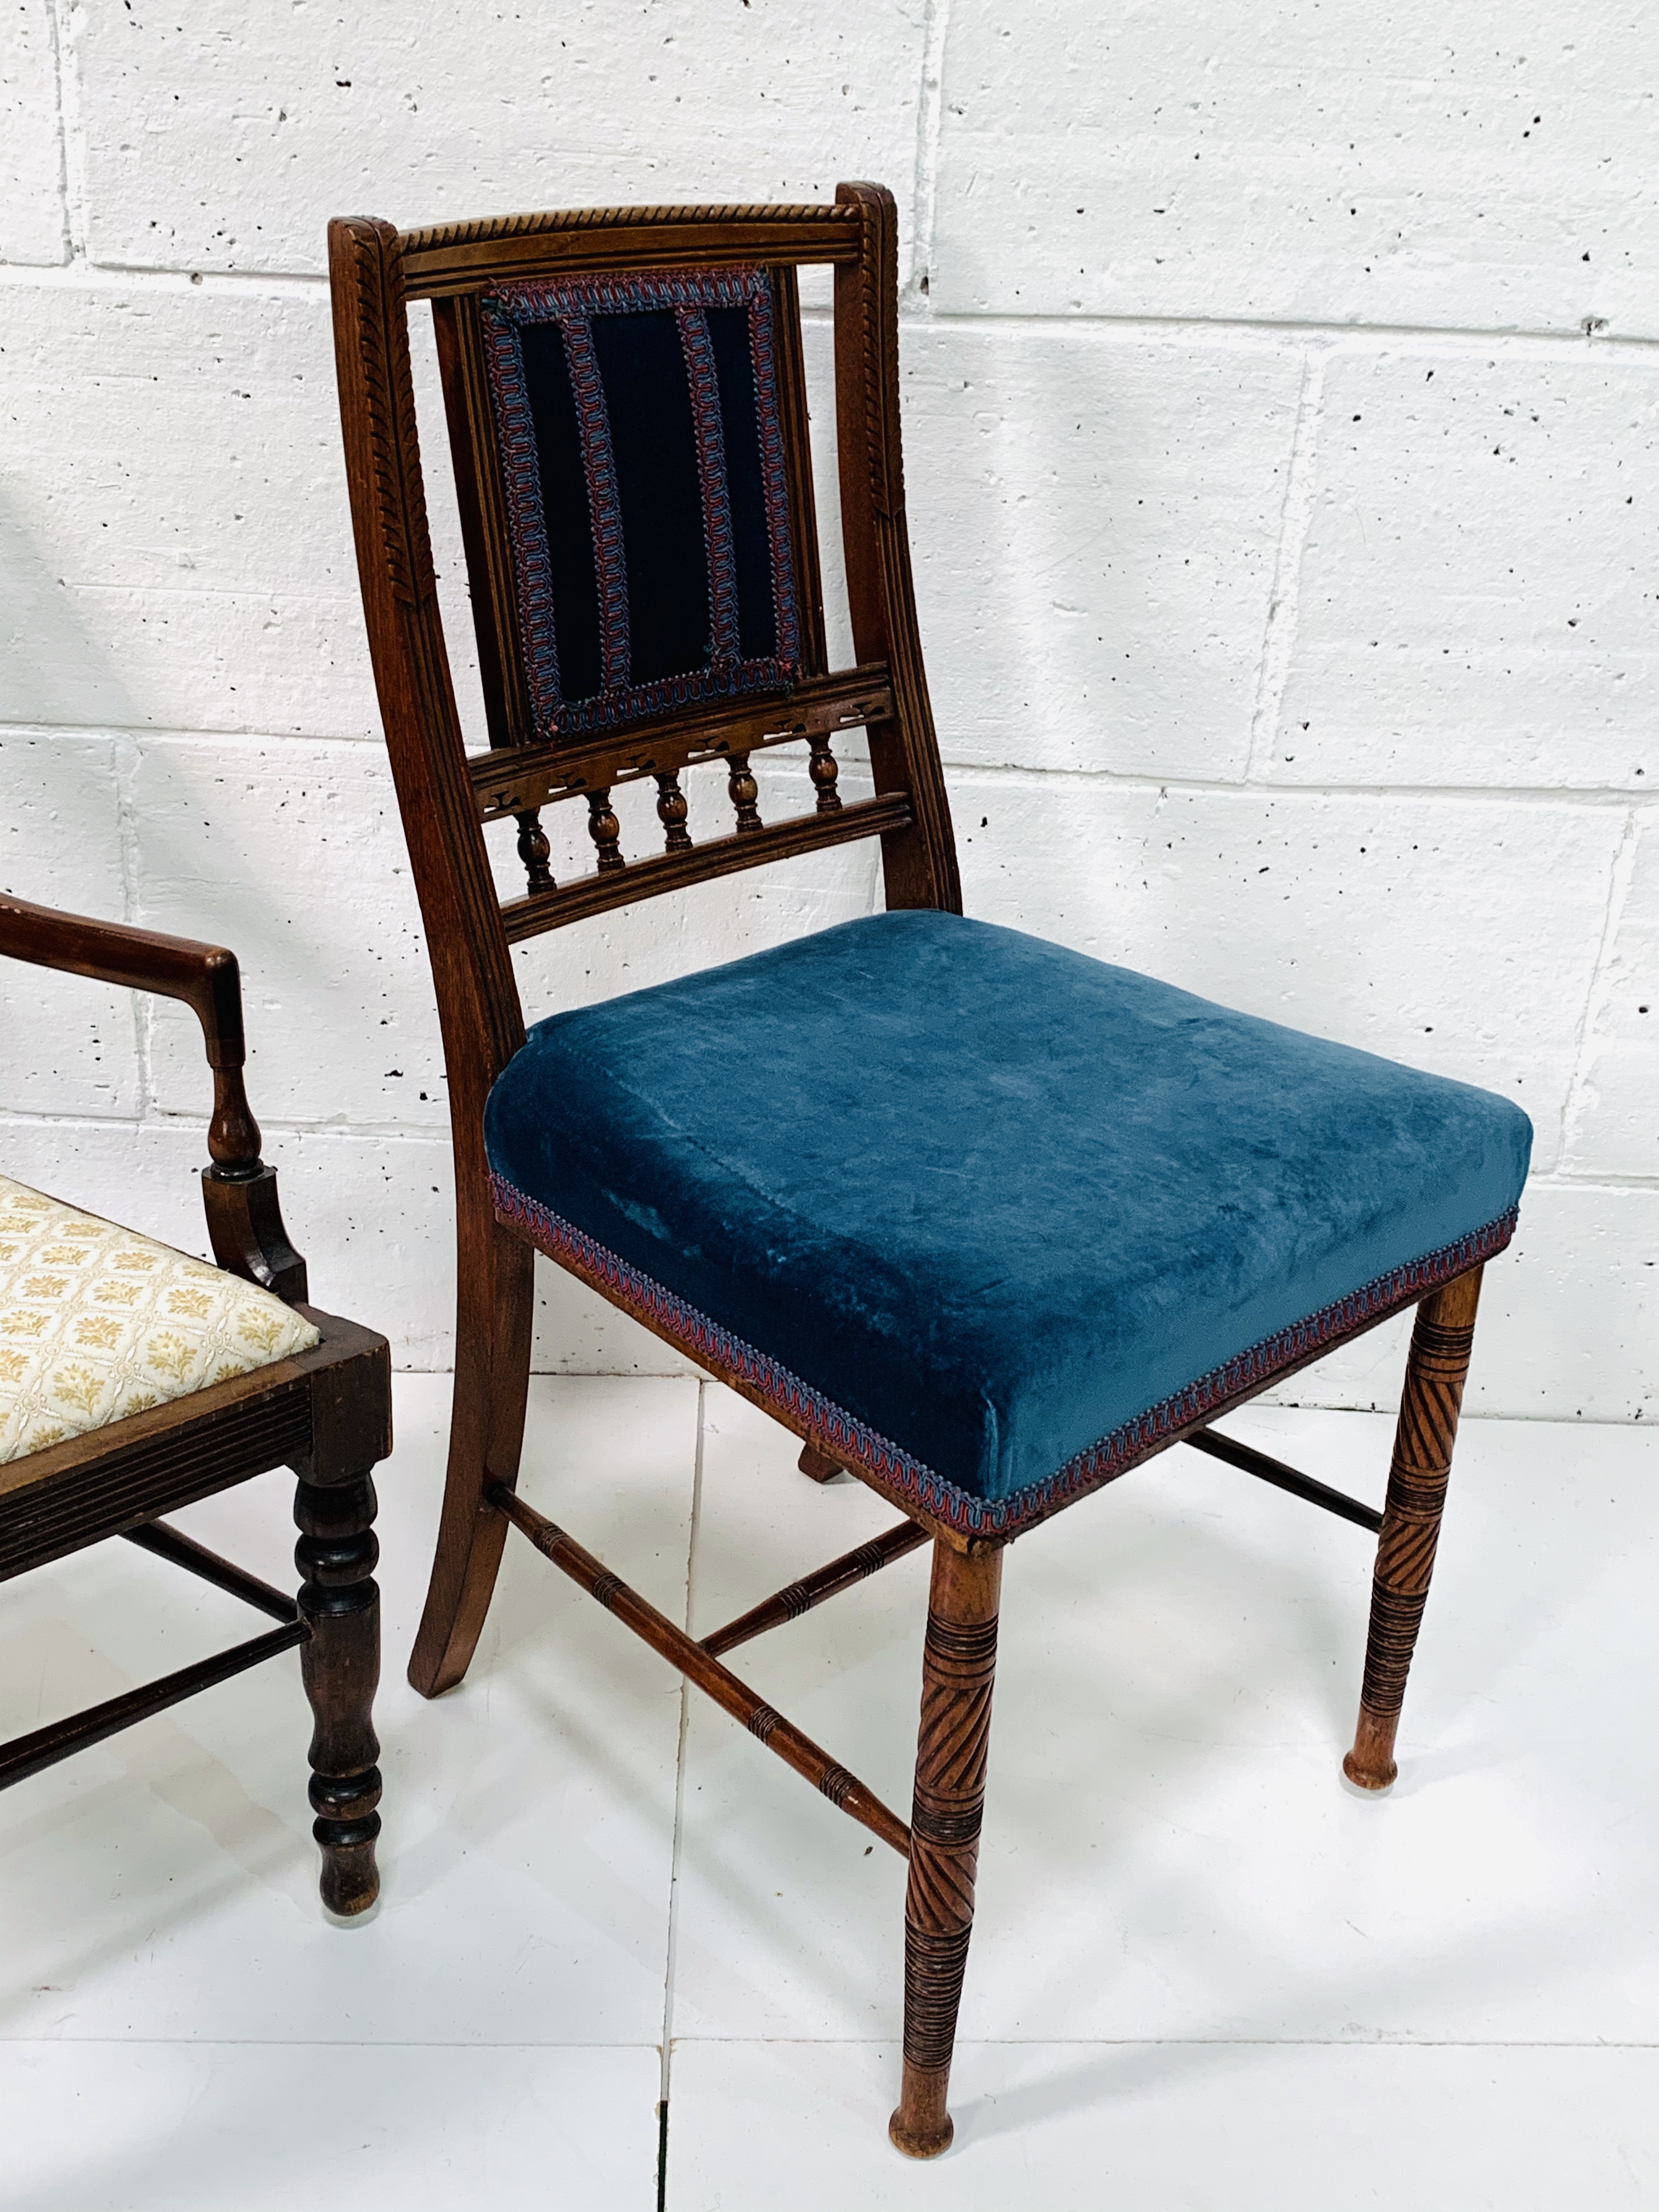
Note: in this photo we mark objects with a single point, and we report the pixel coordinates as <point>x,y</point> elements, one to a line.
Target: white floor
<point>1205,1974</point>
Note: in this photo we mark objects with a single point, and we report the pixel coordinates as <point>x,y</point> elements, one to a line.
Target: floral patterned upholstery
<point>97,1322</point>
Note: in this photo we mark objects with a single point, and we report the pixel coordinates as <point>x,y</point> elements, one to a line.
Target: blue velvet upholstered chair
<point>981,1220</point>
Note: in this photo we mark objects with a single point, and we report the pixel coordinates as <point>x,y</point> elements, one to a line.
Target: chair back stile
<point>481,277</point>
<point>477,998</point>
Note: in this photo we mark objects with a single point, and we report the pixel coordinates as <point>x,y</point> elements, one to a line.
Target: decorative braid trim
<point>844,1437</point>
<point>521,477</point>
<point>703,381</point>
<point>604,500</point>
<point>775,474</point>
<point>572,302</point>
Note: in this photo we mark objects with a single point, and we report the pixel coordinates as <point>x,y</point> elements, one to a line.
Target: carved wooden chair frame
<point>449,799</point>
<point>325,1412</point>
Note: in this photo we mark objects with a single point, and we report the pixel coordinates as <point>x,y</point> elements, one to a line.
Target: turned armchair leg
<point>341,1666</point>
<point>1435,1372</point>
<point>957,1668</point>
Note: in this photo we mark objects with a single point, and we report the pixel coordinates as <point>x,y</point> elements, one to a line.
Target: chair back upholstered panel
<point>625,403</point>
<point>640,448</point>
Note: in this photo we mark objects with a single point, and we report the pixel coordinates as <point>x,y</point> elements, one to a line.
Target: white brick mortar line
<point>1453,337</point>
<point>86,275</point>
<point>929,111</point>
<point>1623,868</point>
<point>1223,334</point>
<point>1559,1178</point>
<point>72,133</point>
<point>63,135</point>
<point>1295,521</point>
<point>144,1006</point>
<point>1525,794</point>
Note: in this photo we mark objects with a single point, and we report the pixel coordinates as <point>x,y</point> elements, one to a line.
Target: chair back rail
<point>449,798</point>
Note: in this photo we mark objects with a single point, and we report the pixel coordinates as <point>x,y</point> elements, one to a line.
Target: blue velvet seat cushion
<point>991,1213</point>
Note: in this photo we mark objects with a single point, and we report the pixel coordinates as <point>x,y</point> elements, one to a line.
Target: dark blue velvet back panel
<point>642,453</point>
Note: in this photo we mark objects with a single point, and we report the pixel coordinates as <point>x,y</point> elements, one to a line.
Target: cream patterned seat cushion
<point>96,1322</point>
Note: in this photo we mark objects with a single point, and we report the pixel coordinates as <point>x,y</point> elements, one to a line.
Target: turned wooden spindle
<point>824,768</point>
<point>958,1667</point>
<point>340,1667</point>
<point>534,850</point>
<point>1429,1406</point>
<point>671,812</point>
<point>605,830</point>
<point>745,792</point>
<point>799,1597</point>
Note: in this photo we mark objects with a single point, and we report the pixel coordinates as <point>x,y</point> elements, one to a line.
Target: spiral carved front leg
<point>1429,1407</point>
<point>958,1669</point>
<point>341,1666</point>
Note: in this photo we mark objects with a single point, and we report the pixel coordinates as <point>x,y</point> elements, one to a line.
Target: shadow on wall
<point>51,668</point>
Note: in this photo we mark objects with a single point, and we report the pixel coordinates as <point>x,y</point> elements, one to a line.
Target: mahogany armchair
<point>983,1221</point>
<point>133,1380</point>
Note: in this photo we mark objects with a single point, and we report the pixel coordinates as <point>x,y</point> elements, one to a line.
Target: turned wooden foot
<point>958,1668</point>
<point>341,1665</point>
<point>1429,1407</point>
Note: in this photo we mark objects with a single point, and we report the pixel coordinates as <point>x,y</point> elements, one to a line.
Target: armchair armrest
<point>239,1191</point>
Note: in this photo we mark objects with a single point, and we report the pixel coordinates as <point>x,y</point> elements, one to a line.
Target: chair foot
<point>351,1879</point>
<point>1369,1765</point>
<point>814,1464</point>
<point>920,2126</point>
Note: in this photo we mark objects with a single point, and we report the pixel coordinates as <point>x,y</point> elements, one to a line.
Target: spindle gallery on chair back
<point>625,398</point>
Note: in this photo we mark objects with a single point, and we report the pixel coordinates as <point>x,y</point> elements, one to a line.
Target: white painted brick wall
<point>1281,404</point>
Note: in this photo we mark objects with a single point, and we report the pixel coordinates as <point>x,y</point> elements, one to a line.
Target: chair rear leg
<point>816,1464</point>
<point>957,1669</point>
<point>494,1312</point>
<point>341,1668</point>
<point>1439,1361</point>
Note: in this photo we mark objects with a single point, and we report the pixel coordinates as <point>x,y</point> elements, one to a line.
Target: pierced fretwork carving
<point>672,812</point>
<point>745,793</point>
<point>605,830</point>
<point>534,850</point>
<point>824,767</point>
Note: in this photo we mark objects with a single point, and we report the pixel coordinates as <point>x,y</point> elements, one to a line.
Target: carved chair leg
<point>957,1668</point>
<point>494,1311</point>
<point>341,1667</point>
<point>1435,1372</point>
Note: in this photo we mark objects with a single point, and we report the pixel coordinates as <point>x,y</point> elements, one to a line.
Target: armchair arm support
<point>237,1189</point>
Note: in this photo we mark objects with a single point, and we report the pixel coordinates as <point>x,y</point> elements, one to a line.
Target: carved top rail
<point>513,779</point>
<point>461,256</point>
